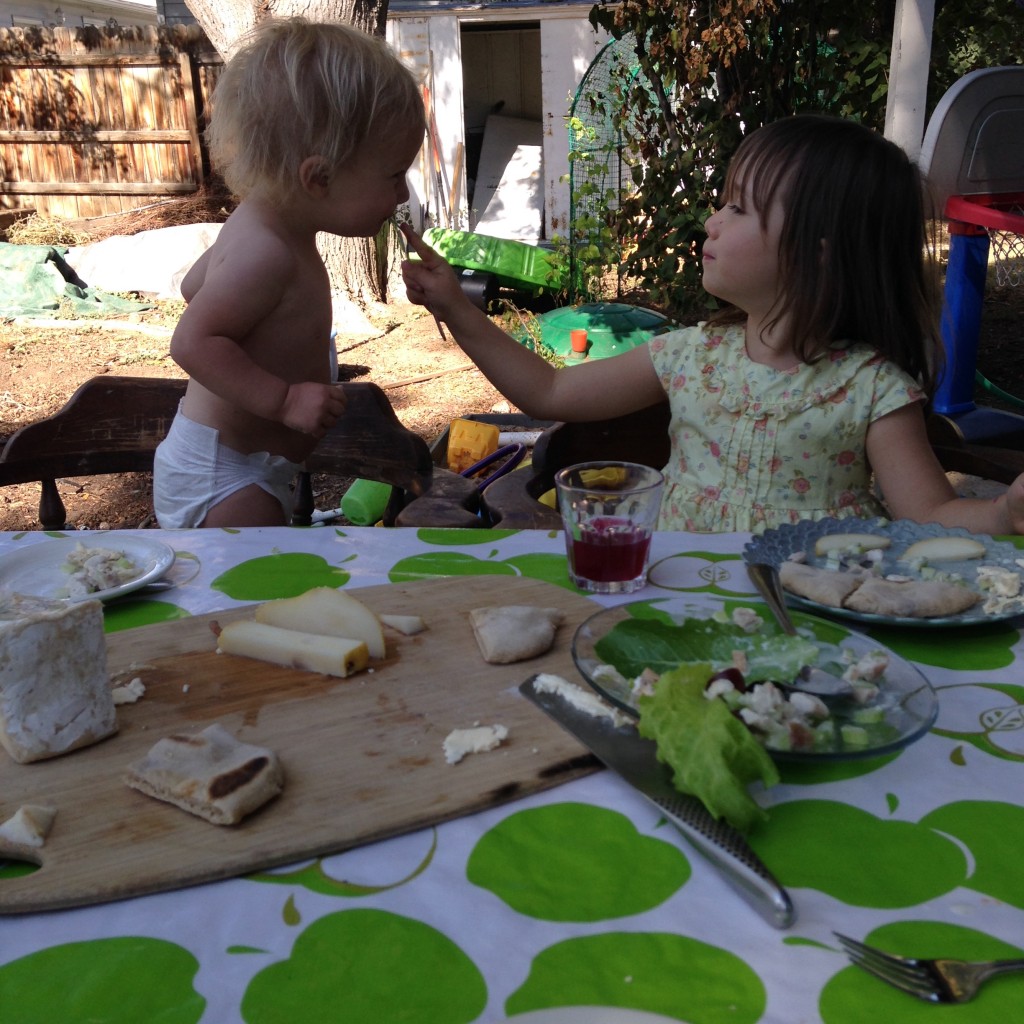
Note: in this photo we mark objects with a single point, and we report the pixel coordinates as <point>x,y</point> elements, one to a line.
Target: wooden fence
<point>96,121</point>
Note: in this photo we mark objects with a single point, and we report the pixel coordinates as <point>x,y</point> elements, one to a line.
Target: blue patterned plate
<point>776,546</point>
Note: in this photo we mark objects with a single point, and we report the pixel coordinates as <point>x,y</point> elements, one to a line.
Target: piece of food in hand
<point>27,828</point>
<point>824,586</point>
<point>510,633</point>
<point>211,774</point>
<point>944,549</point>
<point>477,740</point>
<point>311,652</point>
<point>849,542</point>
<point>328,612</point>
<point>54,684</point>
<point>916,599</point>
<point>409,625</point>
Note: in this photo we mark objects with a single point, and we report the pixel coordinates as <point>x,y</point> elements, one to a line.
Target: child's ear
<point>314,177</point>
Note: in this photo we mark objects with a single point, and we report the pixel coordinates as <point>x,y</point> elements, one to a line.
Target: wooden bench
<point>114,424</point>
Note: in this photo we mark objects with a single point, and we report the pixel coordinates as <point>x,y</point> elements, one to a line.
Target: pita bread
<point>210,774</point>
<point>514,632</point>
<point>916,599</point>
<point>825,586</point>
<point>27,828</point>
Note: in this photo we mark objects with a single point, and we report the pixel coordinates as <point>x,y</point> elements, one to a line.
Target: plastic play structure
<point>973,154</point>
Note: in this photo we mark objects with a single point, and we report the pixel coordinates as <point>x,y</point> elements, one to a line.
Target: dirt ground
<point>428,380</point>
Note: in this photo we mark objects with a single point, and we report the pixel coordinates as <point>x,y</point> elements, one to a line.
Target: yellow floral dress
<point>754,447</point>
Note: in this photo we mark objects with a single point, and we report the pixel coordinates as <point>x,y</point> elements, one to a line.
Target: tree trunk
<point>357,266</point>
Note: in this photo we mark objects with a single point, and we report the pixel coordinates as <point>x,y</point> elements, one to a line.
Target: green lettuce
<point>636,644</point>
<point>712,754</point>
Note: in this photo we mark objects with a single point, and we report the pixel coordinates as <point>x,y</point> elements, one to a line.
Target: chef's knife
<point>623,750</point>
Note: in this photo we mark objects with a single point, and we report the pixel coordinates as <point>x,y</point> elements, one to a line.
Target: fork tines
<point>905,973</point>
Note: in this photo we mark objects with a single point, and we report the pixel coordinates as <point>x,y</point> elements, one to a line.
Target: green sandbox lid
<point>612,327</point>
<point>514,264</point>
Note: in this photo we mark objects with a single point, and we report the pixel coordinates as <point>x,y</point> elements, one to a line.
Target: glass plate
<point>36,570</point>
<point>775,546</point>
<point>907,703</point>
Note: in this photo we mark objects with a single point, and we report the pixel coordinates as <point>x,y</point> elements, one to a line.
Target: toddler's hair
<point>296,89</point>
<point>856,263</point>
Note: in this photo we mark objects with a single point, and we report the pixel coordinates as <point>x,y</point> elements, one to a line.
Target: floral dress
<point>754,446</point>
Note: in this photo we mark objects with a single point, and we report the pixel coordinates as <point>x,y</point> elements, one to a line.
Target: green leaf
<point>712,754</point>
<point>636,644</point>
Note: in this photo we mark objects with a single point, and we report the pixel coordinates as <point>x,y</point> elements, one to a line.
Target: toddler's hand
<point>313,408</point>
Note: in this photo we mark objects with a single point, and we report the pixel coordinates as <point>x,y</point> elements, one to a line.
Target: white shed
<point>502,78</point>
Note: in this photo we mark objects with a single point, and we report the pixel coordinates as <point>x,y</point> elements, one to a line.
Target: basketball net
<point>1007,249</point>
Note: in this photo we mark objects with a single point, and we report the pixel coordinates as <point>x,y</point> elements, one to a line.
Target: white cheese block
<point>54,685</point>
<point>329,655</point>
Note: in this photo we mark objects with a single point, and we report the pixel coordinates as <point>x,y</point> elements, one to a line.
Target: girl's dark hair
<point>855,259</point>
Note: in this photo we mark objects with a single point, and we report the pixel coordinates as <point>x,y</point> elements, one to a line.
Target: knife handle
<point>730,854</point>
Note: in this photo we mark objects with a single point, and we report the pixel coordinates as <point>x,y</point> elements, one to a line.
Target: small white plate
<point>36,570</point>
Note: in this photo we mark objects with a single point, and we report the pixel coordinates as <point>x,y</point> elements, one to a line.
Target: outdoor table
<point>581,895</point>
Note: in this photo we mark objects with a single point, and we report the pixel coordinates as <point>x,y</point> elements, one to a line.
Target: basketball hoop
<point>1001,217</point>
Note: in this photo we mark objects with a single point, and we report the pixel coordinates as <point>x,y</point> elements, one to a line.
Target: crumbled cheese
<point>583,700</point>
<point>130,692</point>
<point>478,740</point>
<point>1002,588</point>
<point>747,619</point>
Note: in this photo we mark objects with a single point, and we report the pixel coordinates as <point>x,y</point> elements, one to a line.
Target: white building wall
<point>430,43</point>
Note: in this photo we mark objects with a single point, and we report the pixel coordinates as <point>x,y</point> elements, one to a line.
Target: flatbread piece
<point>824,586</point>
<point>916,599</point>
<point>514,632</point>
<point>210,774</point>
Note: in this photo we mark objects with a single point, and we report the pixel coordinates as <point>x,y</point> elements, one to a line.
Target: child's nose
<point>711,223</point>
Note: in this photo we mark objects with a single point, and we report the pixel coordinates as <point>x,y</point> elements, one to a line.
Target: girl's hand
<point>312,408</point>
<point>429,280</point>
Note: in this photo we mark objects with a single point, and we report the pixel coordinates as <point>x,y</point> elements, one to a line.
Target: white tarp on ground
<point>151,262</point>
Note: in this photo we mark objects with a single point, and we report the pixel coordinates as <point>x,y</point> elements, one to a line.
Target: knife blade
<point>627,753</point>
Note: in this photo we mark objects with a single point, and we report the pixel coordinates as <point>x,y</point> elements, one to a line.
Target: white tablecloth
<point>580,896</point>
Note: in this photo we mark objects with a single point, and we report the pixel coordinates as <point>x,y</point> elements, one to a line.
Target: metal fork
<point>938,981</point>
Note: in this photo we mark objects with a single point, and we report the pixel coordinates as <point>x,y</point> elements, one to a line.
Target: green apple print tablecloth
<point>582,896</point>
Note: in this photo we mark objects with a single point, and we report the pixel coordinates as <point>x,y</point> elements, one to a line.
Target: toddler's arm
<point>597,389</point>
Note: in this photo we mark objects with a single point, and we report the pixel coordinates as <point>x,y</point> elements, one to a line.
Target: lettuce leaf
<point>712,754</point>
<point>636,644</point>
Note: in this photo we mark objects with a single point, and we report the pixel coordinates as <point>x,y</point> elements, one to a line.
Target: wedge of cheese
<point>54,686</point>
<point>327,612</point>
<point>329,655</point>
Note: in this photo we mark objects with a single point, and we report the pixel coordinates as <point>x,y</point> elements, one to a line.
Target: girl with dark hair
<point>803,398</point>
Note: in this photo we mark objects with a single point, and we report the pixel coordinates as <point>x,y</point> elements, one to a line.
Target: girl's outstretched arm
<point>915,486</point>
<point>592,390</point>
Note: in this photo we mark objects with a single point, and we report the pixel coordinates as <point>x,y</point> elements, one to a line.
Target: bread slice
<point>210,774</point>
<point>511,633</point>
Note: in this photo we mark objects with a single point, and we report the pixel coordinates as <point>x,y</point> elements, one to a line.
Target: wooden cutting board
<point>363,756</point>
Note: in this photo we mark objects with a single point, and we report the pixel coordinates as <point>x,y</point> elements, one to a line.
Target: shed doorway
<point>503,111</point>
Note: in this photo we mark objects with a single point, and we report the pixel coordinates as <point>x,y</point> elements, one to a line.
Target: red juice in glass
<point>610,550</point>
